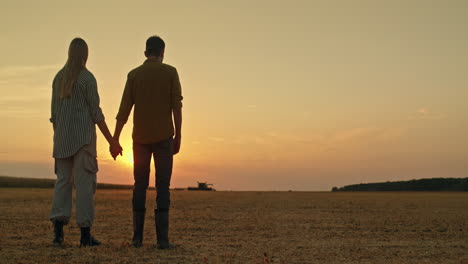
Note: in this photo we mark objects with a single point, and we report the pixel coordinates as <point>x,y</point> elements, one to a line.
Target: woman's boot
<point>58,232</point>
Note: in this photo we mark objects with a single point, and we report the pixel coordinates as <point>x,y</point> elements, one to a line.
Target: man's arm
<point>176,105</point>
<point>177,112</point>
<point>115,151</point>
<point>127,102</point>
<point>126,106</point>
<point>118,129</point>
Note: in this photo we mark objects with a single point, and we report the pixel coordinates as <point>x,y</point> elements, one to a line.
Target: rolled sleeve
<point>53,104</point>
<point>127,102</point>
<point>92,97</point>
<point>52,109</point>
<point>176,91</point>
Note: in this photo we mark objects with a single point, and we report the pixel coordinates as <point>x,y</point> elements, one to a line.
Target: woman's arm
<point>105,131</point>
<point>92,97</point>
<point>53,104</point>
<point>115,148</point>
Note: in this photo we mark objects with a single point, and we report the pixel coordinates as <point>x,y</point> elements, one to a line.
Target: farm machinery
<point>202,186</point>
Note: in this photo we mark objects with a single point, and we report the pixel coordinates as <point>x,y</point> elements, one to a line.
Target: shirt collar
<point>153,60</point>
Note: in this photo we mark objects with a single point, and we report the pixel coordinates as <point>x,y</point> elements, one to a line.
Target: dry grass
<point>249,227</point>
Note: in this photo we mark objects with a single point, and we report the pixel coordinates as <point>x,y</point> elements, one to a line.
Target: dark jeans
<point>163,156</point>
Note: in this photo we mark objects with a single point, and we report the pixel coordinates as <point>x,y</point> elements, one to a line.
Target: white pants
<point>81,170</point>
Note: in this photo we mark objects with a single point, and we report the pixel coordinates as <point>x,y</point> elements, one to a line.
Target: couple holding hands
<point>154,90</point>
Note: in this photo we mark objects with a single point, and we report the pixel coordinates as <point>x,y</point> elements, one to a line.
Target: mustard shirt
<point>154,88</point>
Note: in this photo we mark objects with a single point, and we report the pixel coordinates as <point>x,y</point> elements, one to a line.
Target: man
<point>155,90</point>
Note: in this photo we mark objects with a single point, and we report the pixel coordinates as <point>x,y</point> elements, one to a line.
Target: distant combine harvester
<point>202,186</point>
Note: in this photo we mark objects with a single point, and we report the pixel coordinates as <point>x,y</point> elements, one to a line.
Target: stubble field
<point>249,227</point>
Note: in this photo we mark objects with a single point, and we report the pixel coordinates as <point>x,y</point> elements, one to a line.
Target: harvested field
<point>249,227</point>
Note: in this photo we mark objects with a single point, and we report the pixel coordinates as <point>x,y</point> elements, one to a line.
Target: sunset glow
<point>277,96</point>
<point>127,157</point>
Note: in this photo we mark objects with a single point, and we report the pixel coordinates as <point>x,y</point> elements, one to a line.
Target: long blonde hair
<point>77,57</point>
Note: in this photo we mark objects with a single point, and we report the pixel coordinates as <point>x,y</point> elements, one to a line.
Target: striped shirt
<point>74,118</point>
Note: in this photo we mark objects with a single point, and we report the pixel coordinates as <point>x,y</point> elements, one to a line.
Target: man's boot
<point>161,219</point>
<point>87,240</point>
<point>58,232</point>
<point>138,226</point>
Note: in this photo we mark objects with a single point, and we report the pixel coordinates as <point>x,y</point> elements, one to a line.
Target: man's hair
<point>155,45</point>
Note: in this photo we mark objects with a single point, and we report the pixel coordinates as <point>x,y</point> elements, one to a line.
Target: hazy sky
<point>278,95</point>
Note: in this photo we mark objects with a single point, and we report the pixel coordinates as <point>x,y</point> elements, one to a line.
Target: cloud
<point>25,89</point>
<point>12,72</point>
<point>216,139</point>
<point>30,80</point>
<point>15,106</point>
<point>21,78</point>
<point>424,113</point>
<point>392,133</point>
<point>20,99</point>
<point>338,139</point>
<point>361,136</point>
<point>27,169</point>
<point>354,133</point>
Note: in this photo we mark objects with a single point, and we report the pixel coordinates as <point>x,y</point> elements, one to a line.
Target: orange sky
<point>305,96</point>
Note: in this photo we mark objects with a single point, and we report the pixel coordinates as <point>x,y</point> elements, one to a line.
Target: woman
<point>75,111</point>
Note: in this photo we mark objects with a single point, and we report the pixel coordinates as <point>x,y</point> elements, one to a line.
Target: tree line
<point>17,182</point>
<point>433,184</point>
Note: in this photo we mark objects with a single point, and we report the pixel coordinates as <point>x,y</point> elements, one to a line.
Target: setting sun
<point>127,155</point>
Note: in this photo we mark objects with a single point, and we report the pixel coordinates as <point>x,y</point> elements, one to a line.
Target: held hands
<point>115,149</point>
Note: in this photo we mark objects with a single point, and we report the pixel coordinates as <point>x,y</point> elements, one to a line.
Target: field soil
<point>248,227</point>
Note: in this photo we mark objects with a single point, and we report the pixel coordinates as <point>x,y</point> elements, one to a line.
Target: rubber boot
<point>87,240</point>
<point>58,232</point>
<point>161,219</point>
<point>138,226</point>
